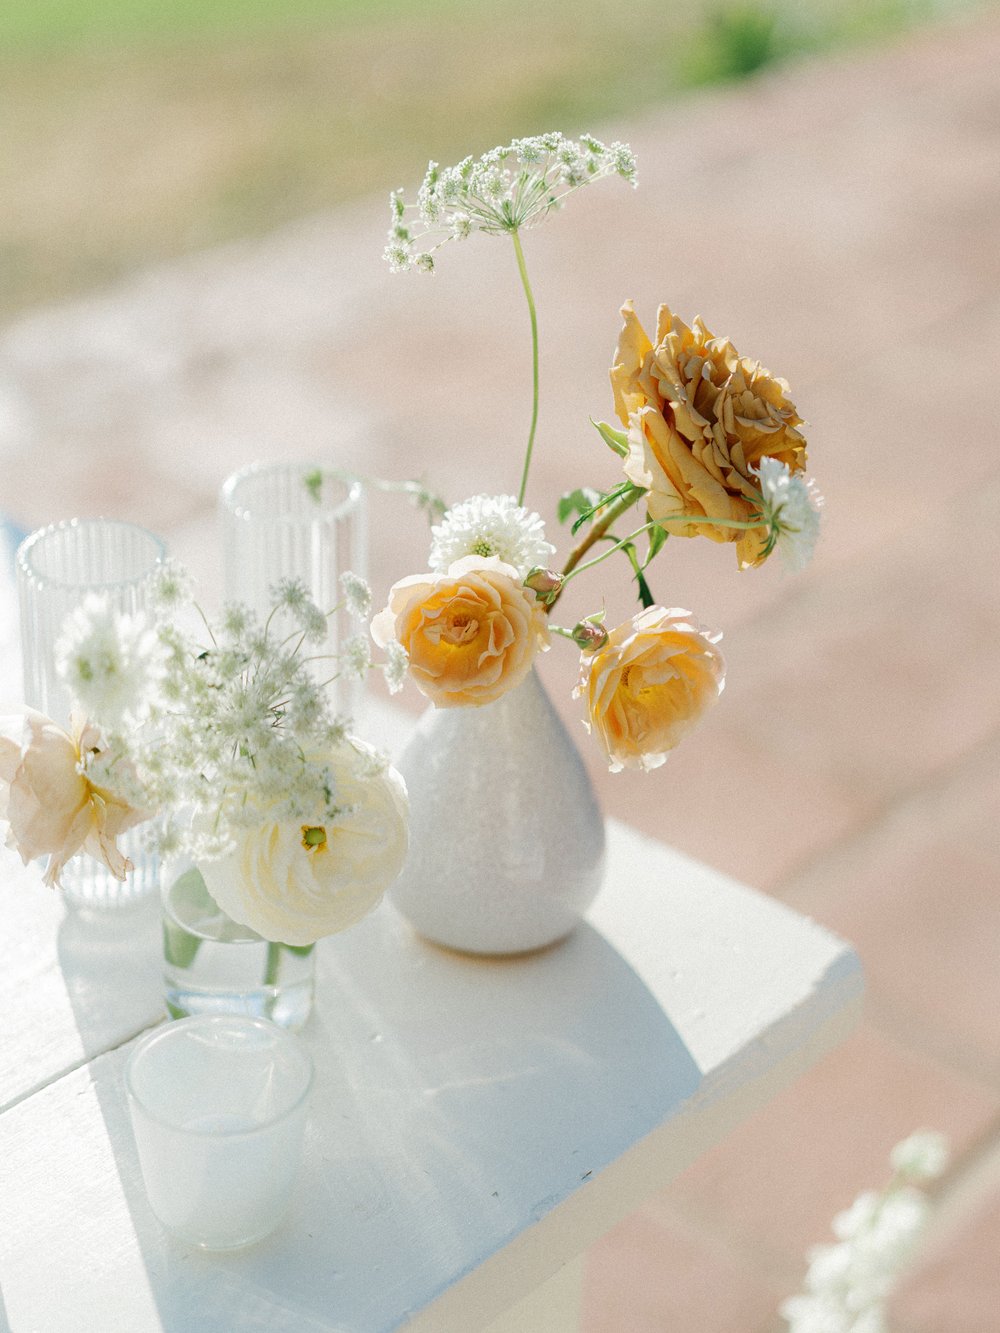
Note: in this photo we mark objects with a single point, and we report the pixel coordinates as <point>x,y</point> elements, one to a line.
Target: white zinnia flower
<point>790,504</point>
<point>111,663</point>
<point>490,525</point>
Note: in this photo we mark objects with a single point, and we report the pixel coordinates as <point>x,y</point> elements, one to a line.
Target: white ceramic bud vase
<point>506,836</point>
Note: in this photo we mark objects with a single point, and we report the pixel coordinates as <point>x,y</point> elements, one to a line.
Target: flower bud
<point>589,637</point>
<point>545,583</point>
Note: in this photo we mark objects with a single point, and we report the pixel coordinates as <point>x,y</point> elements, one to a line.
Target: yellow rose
<point>295,882</point>
<point>699,416</point>
<point>471,634</point>
<point>649,685</point>
<point>52,809</point>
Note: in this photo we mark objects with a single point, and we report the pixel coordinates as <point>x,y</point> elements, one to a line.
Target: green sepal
<point>645,595</point>
<point>616,440</point>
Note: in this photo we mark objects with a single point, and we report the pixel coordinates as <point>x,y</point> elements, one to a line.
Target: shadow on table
<point>457,1102</point>
<point>112,965</point>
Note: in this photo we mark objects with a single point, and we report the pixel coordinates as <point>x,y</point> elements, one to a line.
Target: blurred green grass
<point>139,129</point>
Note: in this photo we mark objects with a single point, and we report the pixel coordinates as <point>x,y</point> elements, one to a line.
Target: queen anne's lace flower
<point>501,192</point>
<point>357,595</point>
<point>111,663</point>
<point>490,525</point>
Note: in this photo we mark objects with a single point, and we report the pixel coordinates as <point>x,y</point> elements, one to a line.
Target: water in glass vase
<point>212,965</point>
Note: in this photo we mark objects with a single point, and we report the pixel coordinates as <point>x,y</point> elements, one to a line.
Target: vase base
<point>485,939</point>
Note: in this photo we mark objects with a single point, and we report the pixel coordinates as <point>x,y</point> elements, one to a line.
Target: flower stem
<point>534,360</point>
<point>574,569</point>
<point>272,968</point>
<point>596,532</point>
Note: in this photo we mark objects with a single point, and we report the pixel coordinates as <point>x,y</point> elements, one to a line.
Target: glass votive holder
<point>58,567</point>
<point>218,1106</point>
<point>297,520</point>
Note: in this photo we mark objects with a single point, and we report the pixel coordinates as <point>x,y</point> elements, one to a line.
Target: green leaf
<point>313,482</point>
<point>623,490</point>
<point>575,502</point>
<point>616,440</point>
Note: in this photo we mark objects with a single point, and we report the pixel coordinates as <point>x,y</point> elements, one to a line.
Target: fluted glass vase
<point>506,835</point>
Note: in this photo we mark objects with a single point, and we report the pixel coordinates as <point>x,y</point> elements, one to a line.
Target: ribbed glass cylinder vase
<point>58,567</point>
<point>296,520</point>
<point>506,835</point>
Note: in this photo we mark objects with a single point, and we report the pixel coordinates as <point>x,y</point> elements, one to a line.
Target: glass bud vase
<point>58,568</point>
<point>506,836</point>
<point>213,965</point>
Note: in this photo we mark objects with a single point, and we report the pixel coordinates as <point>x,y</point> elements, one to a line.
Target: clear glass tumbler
<point>57,568</point>
<point>288,520</point>
<point>218,1106</point>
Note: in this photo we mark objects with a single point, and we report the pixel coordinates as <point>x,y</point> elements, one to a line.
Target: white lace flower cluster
<point>112,664</point>
<point>847,1284</point>
<point>791,506</point>
<point>222,730</point>
<point>488,525</point>
<point>502,191</point>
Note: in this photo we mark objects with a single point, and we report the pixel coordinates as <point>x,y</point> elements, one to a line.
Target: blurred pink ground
<point>840,221</point>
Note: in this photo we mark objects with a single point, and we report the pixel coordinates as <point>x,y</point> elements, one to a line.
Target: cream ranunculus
<point>699,417</point>
<point>295,882</point>
<point>649,685</point>
<point>471,634</point>
<point>52,808</point>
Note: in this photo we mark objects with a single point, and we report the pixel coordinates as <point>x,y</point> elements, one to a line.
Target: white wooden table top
<point>475,1123</point>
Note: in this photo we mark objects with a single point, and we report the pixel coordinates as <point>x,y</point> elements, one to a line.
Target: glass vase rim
<point>243,513</point>
<point>171,1029</point>
<point>29,571</point>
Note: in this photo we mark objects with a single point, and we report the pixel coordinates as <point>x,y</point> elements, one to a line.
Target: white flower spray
<point>499,194</point>
<point>847,1284</point>
<point>223,730</point>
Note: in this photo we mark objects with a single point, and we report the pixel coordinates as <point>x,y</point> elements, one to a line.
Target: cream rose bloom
<point>296,882</point>
<point>470,634</point>
<point>649,685</point>
<point>699,416</point>
<point>52,809</point>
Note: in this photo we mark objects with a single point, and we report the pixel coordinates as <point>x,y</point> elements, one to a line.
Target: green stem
<point>272,969</point>
<point>534,361</point>
<point>648,527</point>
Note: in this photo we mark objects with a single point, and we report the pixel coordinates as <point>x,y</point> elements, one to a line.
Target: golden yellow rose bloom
<point>649,685</point>
<point>471,634</point>
<point>699,416</point>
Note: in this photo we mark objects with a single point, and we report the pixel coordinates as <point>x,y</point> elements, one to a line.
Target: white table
<point>475,1123</point>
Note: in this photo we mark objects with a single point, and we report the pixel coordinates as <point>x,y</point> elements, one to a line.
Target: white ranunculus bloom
<point>296,881</point>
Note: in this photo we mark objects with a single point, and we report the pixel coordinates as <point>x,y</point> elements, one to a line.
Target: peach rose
<point>471,634</point>
<point>297,882</point>
<point>53,809</point>
<point>649,685</point>
<point>699,416</point>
